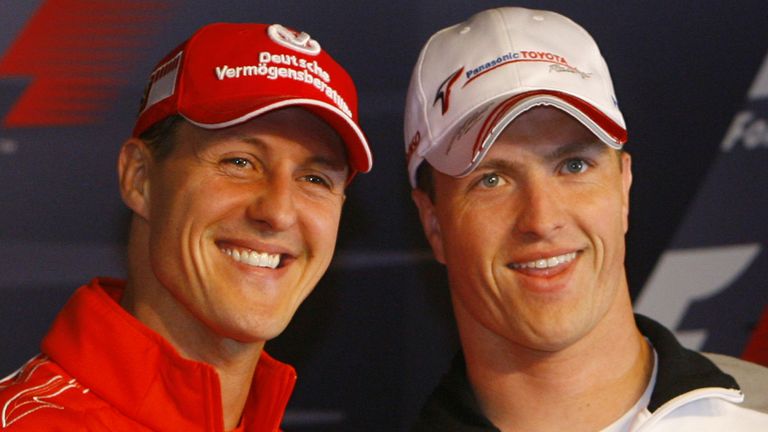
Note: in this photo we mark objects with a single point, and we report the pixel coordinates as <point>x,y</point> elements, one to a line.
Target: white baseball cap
<point>472,79</point>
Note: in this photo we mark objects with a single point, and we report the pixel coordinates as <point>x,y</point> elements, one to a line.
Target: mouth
<point>545,263</point>
<point>253,258</point>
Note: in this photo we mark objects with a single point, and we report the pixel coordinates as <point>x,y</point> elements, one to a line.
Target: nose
<point>541,211</point>
<point>274,205</point>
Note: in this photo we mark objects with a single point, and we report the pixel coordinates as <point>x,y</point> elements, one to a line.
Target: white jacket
<point>703,410</point>
<point>693,394</point>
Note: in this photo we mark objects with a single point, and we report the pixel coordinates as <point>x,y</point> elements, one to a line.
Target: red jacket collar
<point>141,374</point>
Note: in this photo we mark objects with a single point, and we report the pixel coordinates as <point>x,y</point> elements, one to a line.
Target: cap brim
<point>465,146</point>
<point>358,149</point>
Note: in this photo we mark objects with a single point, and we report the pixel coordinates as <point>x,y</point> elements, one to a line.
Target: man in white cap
<point>235,175</point>
<point>514,144</point>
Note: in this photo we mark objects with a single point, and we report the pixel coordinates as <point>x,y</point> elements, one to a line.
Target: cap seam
<point>508,41</point>
<point>422,91</point>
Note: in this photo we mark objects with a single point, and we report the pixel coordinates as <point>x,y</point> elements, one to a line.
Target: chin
<point>251,337</point>
<point>554,339</point>
<point>552,346</point>
<point>250,331</point>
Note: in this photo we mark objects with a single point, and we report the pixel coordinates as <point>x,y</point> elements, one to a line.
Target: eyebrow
<point>496,165</point>
<point>329,164</point>
<point>317,160</point>
<point>558,153</point>
<point>575,148</point>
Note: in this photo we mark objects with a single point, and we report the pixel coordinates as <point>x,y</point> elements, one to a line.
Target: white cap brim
<point>463,148</point>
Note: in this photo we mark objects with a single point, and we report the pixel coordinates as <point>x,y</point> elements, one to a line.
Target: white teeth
<point>253,258</point>
<point>544,263</point>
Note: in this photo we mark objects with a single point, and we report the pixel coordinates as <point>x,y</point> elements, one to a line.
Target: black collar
<point>680,370</point>
<point>453,406</point>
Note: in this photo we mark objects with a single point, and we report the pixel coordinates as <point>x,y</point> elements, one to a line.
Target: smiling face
<point>533,239</point>
<point>241,223</point>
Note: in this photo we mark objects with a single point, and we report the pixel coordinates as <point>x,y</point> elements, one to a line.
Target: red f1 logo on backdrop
<point>76,54</point>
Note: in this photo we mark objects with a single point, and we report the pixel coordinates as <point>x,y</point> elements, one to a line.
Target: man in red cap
<point>514,143</point>
<point>235,174</point>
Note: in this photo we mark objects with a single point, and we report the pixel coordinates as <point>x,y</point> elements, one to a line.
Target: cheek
<point>470,238</point>
<point>608,224</point>
<point>170,198</point>
<point>180,216</point>
<point>321,225</point>
<point>170,219</point>
<point>166,226</point>
<point>203,200</point>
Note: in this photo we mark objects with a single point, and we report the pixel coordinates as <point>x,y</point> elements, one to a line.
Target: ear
<point>626,184</point>
<point>429,222</point>
<point>132,167</point>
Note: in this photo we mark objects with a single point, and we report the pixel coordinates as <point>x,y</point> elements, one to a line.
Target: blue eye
<point>490,180</point>
<point>575,166</point>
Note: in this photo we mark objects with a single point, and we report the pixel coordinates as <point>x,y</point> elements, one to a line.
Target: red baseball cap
<point>226,74</point>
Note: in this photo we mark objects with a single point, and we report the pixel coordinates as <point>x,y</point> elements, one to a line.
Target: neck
<point>582,387</point>
<point>153,305</point>
<point>234,361</point>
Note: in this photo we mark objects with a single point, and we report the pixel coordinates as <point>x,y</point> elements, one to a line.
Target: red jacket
<point>102,370</point>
